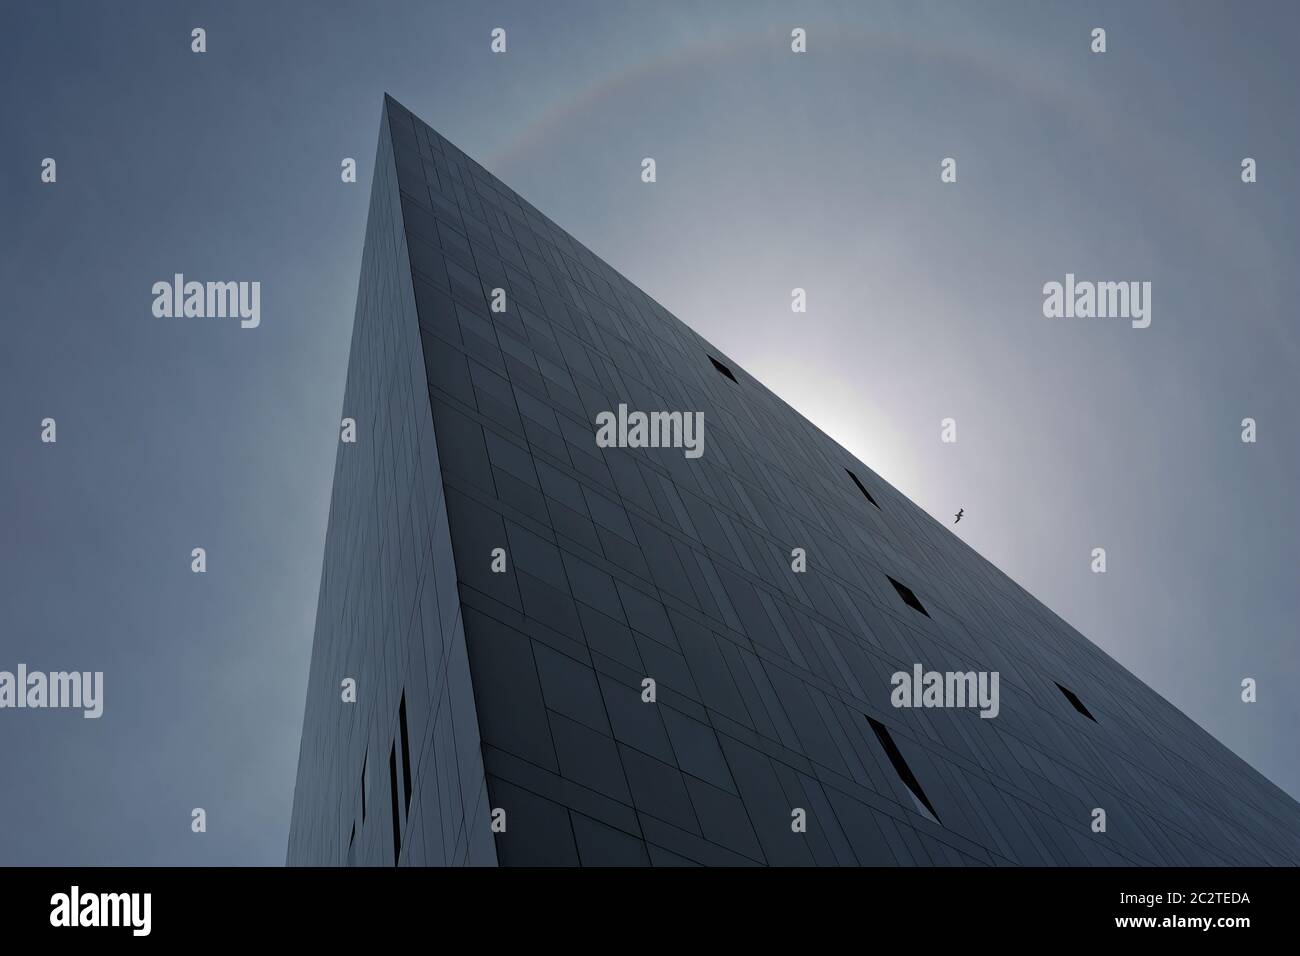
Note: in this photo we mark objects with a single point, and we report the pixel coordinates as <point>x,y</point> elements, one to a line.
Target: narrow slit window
<point>861,487</point>
<point>397,820</point>
<point>722,368</point>
<point>1078,704</point>
<point>903,770</point>
<point>909,598</point>
<point>406,754</point>
<point>364,760</point>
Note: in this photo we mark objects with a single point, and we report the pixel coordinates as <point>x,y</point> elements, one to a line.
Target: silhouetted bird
<point>960,512</point>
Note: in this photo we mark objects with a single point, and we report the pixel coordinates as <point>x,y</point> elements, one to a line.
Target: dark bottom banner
<point>334,906</point>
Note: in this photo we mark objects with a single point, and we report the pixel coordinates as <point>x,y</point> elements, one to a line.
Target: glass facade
<point>568,652</point>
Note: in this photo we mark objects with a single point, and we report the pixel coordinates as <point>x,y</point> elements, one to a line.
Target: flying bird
<point>960,512</point>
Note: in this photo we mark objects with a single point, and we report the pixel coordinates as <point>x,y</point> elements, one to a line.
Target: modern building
<point>632,655</point>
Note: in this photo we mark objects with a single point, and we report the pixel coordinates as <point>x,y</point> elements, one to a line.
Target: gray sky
<point>775,171</point>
